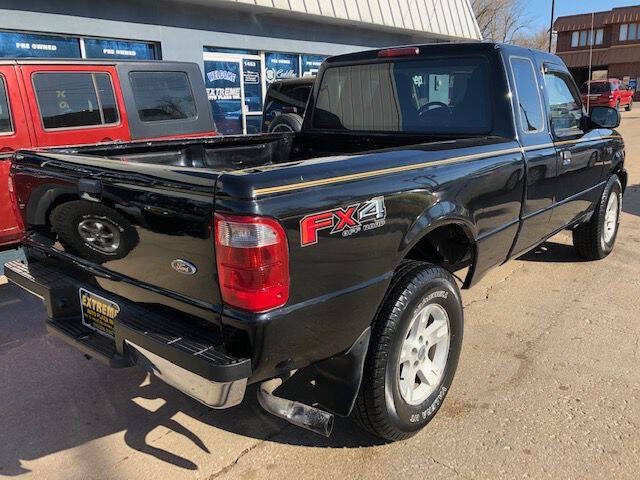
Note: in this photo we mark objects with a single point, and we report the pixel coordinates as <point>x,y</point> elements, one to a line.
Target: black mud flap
<point>338,378</point>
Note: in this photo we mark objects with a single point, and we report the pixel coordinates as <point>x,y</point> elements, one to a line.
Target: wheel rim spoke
<point>423,355</point>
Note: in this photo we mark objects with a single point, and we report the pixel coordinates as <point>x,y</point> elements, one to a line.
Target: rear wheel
<point>93,231</point>
<point>595,239</point>
<point>630,106</point>
<point>413,354</point>
<point>286,122</point>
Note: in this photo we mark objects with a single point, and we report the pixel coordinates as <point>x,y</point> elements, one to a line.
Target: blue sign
<point>311,64</point>
<point>96,48</point>
<point>280,66</point>
<point>13,44</point>
<point>222,80</point>
<point>252,84</point>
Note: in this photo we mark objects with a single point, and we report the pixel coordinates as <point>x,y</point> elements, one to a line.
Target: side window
<point>68,100</point>
<point>161,96</point>
<point>6,125</point>
<point>529,103</point>
<point>566,108</point>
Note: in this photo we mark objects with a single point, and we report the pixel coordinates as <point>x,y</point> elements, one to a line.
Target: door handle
<point>566,157</point>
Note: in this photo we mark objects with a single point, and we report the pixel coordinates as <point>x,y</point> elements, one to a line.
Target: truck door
<point>14,134</point>
<point>75,104</point>
<point>539,151</point>
<point>580,152</point>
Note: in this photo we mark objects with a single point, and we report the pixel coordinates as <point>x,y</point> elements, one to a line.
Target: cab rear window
<point>161,96</point>
<point>71,100</point>
<point>415,96</point>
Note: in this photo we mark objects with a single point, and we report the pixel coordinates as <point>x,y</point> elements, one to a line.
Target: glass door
<point>234,86</point>
<point>225,90</point>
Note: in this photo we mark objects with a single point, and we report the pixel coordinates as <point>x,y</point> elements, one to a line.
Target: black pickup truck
<point>331,254</point>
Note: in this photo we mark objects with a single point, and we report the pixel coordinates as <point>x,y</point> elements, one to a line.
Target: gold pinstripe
<point>406,168</point>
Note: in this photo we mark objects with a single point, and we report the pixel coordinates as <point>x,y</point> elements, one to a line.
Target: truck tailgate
<point>144,230</point>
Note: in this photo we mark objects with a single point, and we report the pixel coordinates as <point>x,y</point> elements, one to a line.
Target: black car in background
<point>285,103</point>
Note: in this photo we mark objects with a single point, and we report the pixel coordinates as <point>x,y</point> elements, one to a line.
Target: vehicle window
<point>299,93</point>
<point>530,106</point>
<point>161,96</point>
<point>596,88</point>
<point>566,109</point>
<point>68,100</point>
<point>419,96</point>
<point>5,113</point>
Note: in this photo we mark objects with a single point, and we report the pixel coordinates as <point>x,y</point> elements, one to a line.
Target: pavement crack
<point>488,291</point>
<point>448,467</point>
<point>224,470</point>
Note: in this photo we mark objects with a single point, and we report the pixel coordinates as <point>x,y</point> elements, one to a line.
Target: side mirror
<point>604,117</point>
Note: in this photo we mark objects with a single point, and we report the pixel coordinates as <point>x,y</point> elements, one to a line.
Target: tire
<point>70,221</point>
<point>629,106</point>
<point>286,122</point>
<point>382,407</point>
<point>596,238</point>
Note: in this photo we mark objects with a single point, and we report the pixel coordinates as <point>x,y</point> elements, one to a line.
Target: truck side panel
<point>481,187</point>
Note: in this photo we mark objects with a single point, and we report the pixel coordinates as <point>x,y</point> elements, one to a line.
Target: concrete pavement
<point>548,386</point>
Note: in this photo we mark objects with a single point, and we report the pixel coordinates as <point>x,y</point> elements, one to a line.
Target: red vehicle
<point>607,93</point>
<point>74,102</point>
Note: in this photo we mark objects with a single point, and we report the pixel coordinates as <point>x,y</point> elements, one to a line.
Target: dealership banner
<point>281,66</point>
<point>14,44</point>
<point>97,48</point>
<point>311,64</point>
<point>222,80</point>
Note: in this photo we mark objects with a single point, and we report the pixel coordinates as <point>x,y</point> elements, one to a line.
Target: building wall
<point>183,30</point>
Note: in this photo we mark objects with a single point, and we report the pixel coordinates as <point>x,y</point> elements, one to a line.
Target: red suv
<point>71,102</point>
<point>607,93</point>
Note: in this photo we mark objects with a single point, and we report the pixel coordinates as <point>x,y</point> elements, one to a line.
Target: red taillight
<point>253,262</point>
<point>398,52</point>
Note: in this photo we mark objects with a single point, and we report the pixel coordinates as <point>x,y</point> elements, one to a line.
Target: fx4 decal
<point>347,221</point>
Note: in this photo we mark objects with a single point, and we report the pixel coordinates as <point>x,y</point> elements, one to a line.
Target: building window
<point>18,44</point>
<point>574,39</point>
<point>102,48</point>
<point>583,38</point>
<point>633,27</point>
<point>623,32</point>
<point>599,35</point>
<point>6,125</point>
<point>68,100</point>
<point>162,96</point>
<point>586,37</point>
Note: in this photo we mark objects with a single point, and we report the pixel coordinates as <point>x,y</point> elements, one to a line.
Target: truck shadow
<point>54,399</point>
<point>552,252</point>
<point>631,203</point>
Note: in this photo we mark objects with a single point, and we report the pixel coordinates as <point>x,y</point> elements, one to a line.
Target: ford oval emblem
<point>182,266</point>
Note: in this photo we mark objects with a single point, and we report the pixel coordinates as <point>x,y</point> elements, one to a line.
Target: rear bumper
<point>184,353</point>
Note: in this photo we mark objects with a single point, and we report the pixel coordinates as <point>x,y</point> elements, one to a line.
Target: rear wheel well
<point>448,246</point>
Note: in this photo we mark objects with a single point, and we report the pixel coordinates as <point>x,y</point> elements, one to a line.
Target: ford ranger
<point>329,254</point>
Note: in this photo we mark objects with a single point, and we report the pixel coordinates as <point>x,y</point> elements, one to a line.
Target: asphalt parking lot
<point>548,386</point>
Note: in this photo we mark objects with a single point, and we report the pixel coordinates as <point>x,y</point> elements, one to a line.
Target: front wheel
<point>413,354</point>
<point>595,239</point>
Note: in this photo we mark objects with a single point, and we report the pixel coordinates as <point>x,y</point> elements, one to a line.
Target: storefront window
<point>311,64</point>
<point>98,48</point>
<point>15,44</point>
<point>222,79</point>
<point>251,70</point>
<point>280,66</point>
